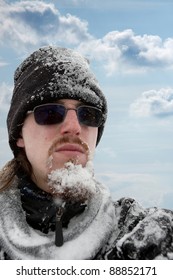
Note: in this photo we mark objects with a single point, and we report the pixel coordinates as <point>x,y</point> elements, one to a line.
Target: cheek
<point>33,133</point>
<point>36,148</point>
<point>34,138</point>
<point>91,138</point>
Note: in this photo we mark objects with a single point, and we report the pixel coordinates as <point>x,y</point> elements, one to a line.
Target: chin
<point>72,183</point>
<point>75,161</point>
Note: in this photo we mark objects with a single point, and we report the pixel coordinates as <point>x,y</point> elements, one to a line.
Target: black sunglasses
<point>48,114</point>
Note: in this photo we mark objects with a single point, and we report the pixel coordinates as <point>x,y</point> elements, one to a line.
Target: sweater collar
<point>40,208</point>
<point>83,239</point>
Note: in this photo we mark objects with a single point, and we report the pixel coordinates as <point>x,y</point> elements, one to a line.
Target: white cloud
<point>5,152</point>
<point>71,3</point>
<point>145,188</point>
<point>3,63</point>
<point>28,24</point>
<point>123,50</point>
<point>107,152</point>
<point>5,96</point>
<point>73,30</point>
<point>153,103</point>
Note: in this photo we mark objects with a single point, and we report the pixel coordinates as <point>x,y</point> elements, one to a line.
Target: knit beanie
<point>49,74</point>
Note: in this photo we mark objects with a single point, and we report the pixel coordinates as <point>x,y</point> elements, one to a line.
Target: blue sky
<point>130,47</point>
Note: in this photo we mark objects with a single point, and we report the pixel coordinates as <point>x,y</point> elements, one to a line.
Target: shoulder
<point>128,212</point>
<point>143,233</point>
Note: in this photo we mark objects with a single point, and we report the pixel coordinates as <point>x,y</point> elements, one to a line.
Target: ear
<point>20,142</point>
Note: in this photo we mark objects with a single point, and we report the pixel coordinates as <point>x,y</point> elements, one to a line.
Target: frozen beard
<point>72,183</point>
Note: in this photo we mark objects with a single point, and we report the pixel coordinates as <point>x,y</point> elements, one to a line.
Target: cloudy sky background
<point>130,47</point>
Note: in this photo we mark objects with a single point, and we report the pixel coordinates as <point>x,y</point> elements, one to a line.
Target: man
<point>52,207</point>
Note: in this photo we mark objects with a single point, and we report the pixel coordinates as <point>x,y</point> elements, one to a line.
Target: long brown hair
<point>9,171</point>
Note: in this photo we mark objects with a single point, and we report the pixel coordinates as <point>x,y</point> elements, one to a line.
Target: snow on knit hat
<point>49,74</point>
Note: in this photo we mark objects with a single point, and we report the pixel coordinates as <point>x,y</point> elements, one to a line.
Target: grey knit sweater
<point>103,230</point>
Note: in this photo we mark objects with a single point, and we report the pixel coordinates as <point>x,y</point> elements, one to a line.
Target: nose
<point>70,125</point>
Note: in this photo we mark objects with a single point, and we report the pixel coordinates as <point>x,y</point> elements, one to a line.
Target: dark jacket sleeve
<point>143,234</point>
<point>3,255</point>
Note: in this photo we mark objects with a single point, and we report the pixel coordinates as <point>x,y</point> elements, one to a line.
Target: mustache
<point>68,140</point>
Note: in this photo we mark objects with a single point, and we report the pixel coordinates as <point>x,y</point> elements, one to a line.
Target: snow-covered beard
<point>73,183</point>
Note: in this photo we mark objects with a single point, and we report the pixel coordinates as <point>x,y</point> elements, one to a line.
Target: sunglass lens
<point>89,116</point>
<point>49,114</point>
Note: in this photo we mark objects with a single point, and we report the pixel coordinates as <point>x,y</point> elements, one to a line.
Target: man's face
<point>51,146</point>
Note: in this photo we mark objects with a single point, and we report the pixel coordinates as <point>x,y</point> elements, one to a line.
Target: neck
<point>41,183</point>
